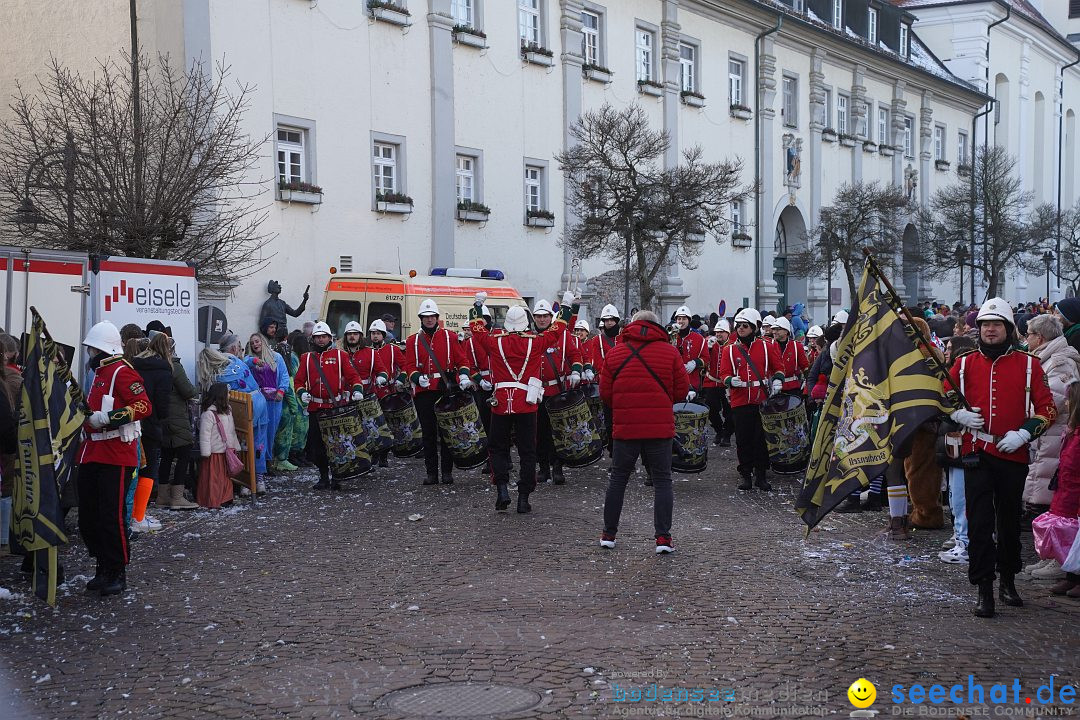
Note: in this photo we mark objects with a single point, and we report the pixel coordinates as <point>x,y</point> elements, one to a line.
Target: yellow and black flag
<point>881,389</point>
<point>50,421</point>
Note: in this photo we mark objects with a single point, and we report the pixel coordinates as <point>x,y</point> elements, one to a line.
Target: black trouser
<point>750,446</point>
<point>433,444</point>
<point>524,426</point>
<point>993,492</point>
<point>720,416</point>
<point>545,443</point>
<point>316,448</point>
<point>656,454</point>
<point>481,398</point>
<point>102,492</point>
<point>608,426</point>
<point>179,456</point>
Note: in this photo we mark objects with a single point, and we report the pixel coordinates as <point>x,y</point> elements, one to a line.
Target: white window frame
<point>531,22</point>
<point>464,12</point>
<point>591,38</point>
<point>689,66</point>
<point>736,217</point>
<point>838,14</point>
<point>535,184</point>
<point>290,154</point>
<point>843,113</point>
<point>306,128</point>
<point>884,126</point>
<point>644,54</point>
<point>384,156</point>
<point>790,100</point>
<point>399,176</point>
<point>909,137</point>
<point>465,178</point>
<point>872,26</point>
<point>940,141</point>
<point>736,80</point>
<point>905,39</point>
<point>962,147</point>
<point>827,119</point>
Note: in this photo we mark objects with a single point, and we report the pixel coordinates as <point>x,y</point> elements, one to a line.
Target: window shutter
<point>1074,8</point>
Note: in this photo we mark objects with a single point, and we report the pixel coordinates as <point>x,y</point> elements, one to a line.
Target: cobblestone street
<point>312,605</point>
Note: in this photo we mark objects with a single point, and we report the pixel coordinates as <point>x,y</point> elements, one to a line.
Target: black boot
<point>850,505</point>
<point>874,501</point>
<point>1007,591</point>
<point>95,584</point>
<point>747,481</point>
<point>115,582</point>
<point>447,478</point>
<point>523,503</point>
<point>985,607</point>
<point>759,479</point>
<point>502,502</point>
<point>324,482</point>
<point>432,479</point>
<point>725,441</point>
<point>557,476</point>
<point>543,474</point>
<point>335,485</point>
<point>382,460</point>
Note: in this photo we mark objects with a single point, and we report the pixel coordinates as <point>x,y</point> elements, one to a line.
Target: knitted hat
<point>969,319</point>
<point>1070,309</point>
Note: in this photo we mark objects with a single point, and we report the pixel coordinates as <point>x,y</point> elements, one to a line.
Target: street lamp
<point>1048,258</point>
<point>961,260</point>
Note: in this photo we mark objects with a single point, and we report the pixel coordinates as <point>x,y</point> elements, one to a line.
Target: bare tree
<point>633,209</point>
<point>1070,248</point>
<point>71,168</point>
<point>862,215</point>
<point>1008,235</point>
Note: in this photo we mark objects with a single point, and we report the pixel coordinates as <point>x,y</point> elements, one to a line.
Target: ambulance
<point>365,297</point>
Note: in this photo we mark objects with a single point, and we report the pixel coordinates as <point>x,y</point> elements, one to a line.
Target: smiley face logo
<point>862,693</point>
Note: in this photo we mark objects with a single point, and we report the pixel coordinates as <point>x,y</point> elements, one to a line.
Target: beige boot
<point>898,529</point>
<point>179,502</point>
<point>163,499</point>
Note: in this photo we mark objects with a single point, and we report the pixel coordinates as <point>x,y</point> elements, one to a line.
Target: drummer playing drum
<point>792,355</point>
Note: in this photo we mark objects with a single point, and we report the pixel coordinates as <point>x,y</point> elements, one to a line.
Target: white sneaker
<point>957,556</point>
<point>1050,571</point>
<point>147,524</point>
<point>245,491</point>
<point>260,487</point>
<point>949,544</point>
<point>607,541</point>
<point>1028,569</point>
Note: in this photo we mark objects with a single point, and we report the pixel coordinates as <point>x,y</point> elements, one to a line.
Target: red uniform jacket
<point>795,364</point>
<point>597,348</point>
<point>1012,393</point>
<point>368,365</point>
<point>447,349</point>
<point>130,403</point>
<point>477,358</point>
<point>711,373</point>
<point>563,357</point>
<point>343,378</point>
<point>692,346</point>
<point>766,358</point>
<point>391,359</point>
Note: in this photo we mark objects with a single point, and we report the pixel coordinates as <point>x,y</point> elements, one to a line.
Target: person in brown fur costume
<point>920,467</point>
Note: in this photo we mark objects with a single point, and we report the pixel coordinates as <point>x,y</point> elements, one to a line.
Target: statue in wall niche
<point>792,160</point>
<point>911,182</point>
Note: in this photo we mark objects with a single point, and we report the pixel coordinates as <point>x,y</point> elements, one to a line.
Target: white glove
<point>777,386</point>
<point>972,418</point>
<point>691,366</point>
<point>712,341</point>
<point>737,382</point>
<point>465,383</point>
<point>481,297</point>
<point>461,336</point>
<point>485,385</point>
<point>399,386</point>
<point>99,419</point>
<point>589,375</point>
<point>568,298</point>
<point>357,396</point>
<point>575,379</point>
<point>305,397</point>
<point>423,381</point>
<point>380,381</point>
<point>1014,440</point>
<point>690,396</point>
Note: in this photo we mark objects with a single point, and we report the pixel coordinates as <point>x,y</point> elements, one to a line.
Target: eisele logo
<point>148,296</point>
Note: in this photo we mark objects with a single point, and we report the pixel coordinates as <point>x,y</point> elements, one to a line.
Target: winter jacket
<point>1061,363</point>
<point>210,440</point>
<point>176,432</point>
<point>157,375</point>
<point>642,404</point>
<point>1066,502</point>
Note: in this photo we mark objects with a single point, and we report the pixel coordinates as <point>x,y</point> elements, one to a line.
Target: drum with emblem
<point>380,438</point>
<point>783,418</point>
<point>690,447</point>
<point>346,440</point>
<point>461,430</point>
<point>573,429</point>
<point>401,418</point>
<point>591,391</point>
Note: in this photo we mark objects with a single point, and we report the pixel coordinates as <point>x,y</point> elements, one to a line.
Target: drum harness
<point>761,379</point>
<point>516,384</point>
<point>431,354</point>
<point>352,362</point>
<point>326,383</point>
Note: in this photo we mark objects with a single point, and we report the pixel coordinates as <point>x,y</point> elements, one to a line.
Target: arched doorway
<point>912,265</point>
<point>790,238</point>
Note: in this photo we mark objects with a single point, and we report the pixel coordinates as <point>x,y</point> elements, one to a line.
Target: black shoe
<point>335,485</point>
<point>1007,592</point>
<point>557,476</point>
<point>543,475</point>
<point>447,479</point>
<point>115,583</point>
<point>850,505</point>
<point>523,503</point>
<point>759,479</point>
<point>502,502</point>
<point>747,482</point>
<point>95,584</point>
<point>725,441</point>
<point>323,484</point>
<point>382,461</point>
<point>432,479</point>
<point>984,608</point>
<point>874,501</point>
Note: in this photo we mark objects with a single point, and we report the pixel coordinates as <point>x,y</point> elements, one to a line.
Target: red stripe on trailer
<point>147,268</point>
<point>51,267</point>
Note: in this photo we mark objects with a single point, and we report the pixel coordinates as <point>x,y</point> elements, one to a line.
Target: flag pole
<point>898,303</point>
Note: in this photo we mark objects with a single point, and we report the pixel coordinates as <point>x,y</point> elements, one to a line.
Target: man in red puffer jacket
<point>643,376</point>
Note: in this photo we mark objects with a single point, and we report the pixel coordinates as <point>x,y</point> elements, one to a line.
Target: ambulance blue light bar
<point>469,273</point>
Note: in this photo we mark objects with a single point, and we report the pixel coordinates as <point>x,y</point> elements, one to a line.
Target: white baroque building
<point>445,101</point>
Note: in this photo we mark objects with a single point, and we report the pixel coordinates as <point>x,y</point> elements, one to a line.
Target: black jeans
<point>993,492</point>
<point>545,444</point>
<point>657,455</point>
<point>102,493</point>
<point>316,448</point>
<point>433,444</point>
<point>750,445</point>
<point>524,427</point>
<point>179,456</point>
<point>720,417</point>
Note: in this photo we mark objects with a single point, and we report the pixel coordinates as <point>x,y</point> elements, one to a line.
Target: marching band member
<point>692,348</point>
<point>720,416</point>
<point>561,363</point>
<point>368,365</point>
<point>597,350</point>
<point>752,370</point>
<point>477,358</point>
<point>812,346</point>
<point>391,359</point>
<point>515,366</point>
<point>430,352</point>
<point>324,380</point>
<point>581,332</point>
<point>791,354</point>
<point>767,326</point>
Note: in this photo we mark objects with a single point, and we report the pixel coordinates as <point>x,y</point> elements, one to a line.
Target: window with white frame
<point>909,137</point>
<point>290,156</point>
<point>736,218</point>
<point>838,14</point>
<point>866,120</point>
<point>534,188</point>
<point>644,41</point>
<point>688,67</point>
<point>939,142</point>
<point>842,113</point>
<point>962,148</point>
<point>386,168</point>
<point>736,75</point>
<point>828,111</point>
<point>529,22</point>
<point>884,136</point>
<point>871,26</point>
<point>463,11</point>
<point>904,39</point>
<point>590,37</point>
<point>466,179</point>
<point>790,109</point>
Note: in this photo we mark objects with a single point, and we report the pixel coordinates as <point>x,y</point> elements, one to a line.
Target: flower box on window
<point>650,87</point>
<point>468,35</point>
<point>942,164</point>
<point>829,135</point>
<point>741,112</point>
<point>963,170</point>
<point>389,12</point>
<point>300,192</point>
<point>870,147</point>
<point>741,240</point>
<point>537,55</point>
<point>887,150</point>
<point>596,72</point>
<point>540,218</point>
<point>393,203</point>
<point>468,211</point>
<point>847,140</point>
<point>693,99</point>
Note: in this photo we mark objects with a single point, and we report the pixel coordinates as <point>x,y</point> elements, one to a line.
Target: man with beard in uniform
<point>560,368</point>
<point>597,350</point>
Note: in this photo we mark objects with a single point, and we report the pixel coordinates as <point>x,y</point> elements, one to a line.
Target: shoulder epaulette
<point>1027,352</point>
<point>963,353</point>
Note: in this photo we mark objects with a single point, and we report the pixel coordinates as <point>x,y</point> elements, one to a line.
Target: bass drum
<point>401,418</point>
<point>596,405</point>
<point>690,449</point>
<point>573,430</point>
<point>345,437</point>
<point>461,430</point>
<point>380,438</point>
<point>783,418</point>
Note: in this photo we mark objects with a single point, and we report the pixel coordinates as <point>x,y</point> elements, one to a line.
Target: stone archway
<point>789,239</point>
